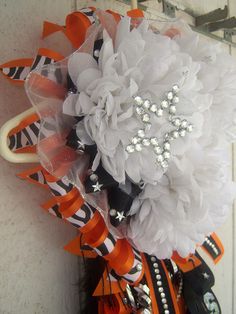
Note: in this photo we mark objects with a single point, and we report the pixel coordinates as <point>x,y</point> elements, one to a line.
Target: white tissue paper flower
<point>189,199</point>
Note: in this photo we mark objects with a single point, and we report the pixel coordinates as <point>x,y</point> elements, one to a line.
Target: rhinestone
<point>130,148</point>
<point>166,155</point>
<point>182,133</point>
<point>155,265</point>
<point>125,300</point>
<point>164,104</point>
<point>176,121</point>
<point>138,147</point>
<point>146,104</point>
<point>159,113</point>
<point>157,150</point>
<point>138,100</point>
<point>139,110</point>
<point>175,100</point>
<point>153,108</point>
<point>96,53</point>
<point>156,271</point>
<point>93,177</point>
<point>167,312</point>
<point>146,142</point>
<point>175,88</point>
<point>169,95</point>
<point>148,127</point>
<point>154,141</point>
<point>139,267</point>
<point>135,140</point>
<point>166,145</point>
<point>172,109</point>
<point>189,128</point>
<point>158,277</point>
<point>175,134</point>
<point>160,289</point>
<point>163,300</point>
<point>184,124</point>
<point>160,158</point>
<point>164,164</point>
<point>146,117</point>
<point>141,133</point>
<point>159,283</point>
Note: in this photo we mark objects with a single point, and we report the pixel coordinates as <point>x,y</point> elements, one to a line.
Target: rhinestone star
<point>120,216</point>
<point>206,276</point>
<point>97,187</point>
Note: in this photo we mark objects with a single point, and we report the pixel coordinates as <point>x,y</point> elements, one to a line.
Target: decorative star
<point>205,275</point>
<point>120,216</point>
<point>97,187</point>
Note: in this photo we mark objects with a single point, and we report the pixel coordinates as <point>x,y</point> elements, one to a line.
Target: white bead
<point>153,108</point>
<point>164,104</point>
<point>175,134</point>
<point>176,121</point>
<point>138,147</point>
<point>175,100</point>
<point>167,312</point>
<point>172,109</point>
<point>170,95</point>
<point>113,212</point>
<point>159,112</point>
<point>135,140</point>
<point>166,155</point>
<point>146,142</point>
<point>96,53</point>
<point>159,283</point>
<point>166,145</point>
<point>146,104</point>
<point>184,124</point>
<point>130,148</point>
<point>175,88</point>
<point>160,158</point>
<point>157,150</point>
<point>154,141</point>
<point>164,301</point>
<point>153,259</point>
<point>139,267</point>
<point>165,306</point>
<point>189,128</point>
<point>139,110</point>
<point>145,117</point>
<point>93,177</point>
<point>182,133</point>
<point>138,100</point>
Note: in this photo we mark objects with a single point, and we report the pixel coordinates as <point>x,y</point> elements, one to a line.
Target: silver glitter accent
<point>166,146</point>
<point>160,158</point>
<point>189,128</point>
<point>166,155</point>
<point>176,122</point>
<point>182,133</point>
<point>184,124</point>
<point>175,100</point>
